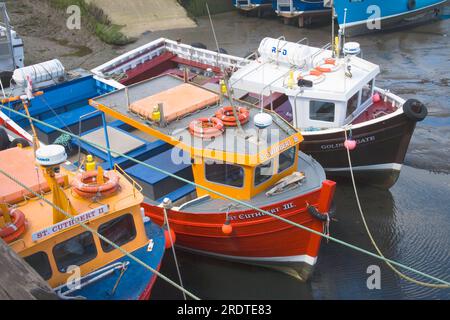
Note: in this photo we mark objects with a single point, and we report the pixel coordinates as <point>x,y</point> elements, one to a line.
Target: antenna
<point>225,77</point>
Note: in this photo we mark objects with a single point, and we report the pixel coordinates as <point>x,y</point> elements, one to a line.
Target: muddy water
<point>411,221</point>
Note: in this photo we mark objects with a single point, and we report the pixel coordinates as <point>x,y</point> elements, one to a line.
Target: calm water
<point>411,221</point>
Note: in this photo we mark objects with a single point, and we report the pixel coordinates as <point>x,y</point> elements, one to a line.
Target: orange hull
<point>256,238</point>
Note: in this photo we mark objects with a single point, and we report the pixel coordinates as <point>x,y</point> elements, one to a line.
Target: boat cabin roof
<point>270,71</point>
<point>20,163</point>
<point>183,103</point>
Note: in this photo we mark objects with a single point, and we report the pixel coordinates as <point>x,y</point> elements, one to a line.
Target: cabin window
<point>75,251</point>
<point>120,231</point>
<point>321,111</point>
<point>352,104</point>
<point>228,174</point>
<point>366,92</point>
<point>264,172</point>
<point>39,262</point>
<point>286,159</point>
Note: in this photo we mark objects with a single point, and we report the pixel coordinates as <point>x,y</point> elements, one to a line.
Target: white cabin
<point>337,95</point>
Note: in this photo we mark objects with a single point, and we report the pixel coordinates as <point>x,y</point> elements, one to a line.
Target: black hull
<point>377,158</point>
<point>405,20</point>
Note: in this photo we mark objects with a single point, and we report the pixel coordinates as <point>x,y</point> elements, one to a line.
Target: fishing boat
<point>359,17</point>
<point>381,122</point>
<point>11,48</point>
<point>302,10</point>
<point>235,151</point>
<point>336,105</point>
<point>77,262</point>
<point>253,5</point>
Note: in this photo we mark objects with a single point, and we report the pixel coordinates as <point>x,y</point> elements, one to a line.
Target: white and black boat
<point>328,92</point>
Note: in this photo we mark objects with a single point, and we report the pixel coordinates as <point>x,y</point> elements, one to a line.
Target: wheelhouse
<point>52,247</point>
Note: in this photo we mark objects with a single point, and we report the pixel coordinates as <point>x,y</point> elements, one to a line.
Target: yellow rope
<point>398,272</point>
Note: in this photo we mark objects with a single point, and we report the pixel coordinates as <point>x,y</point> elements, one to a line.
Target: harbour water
<point>410,221</point>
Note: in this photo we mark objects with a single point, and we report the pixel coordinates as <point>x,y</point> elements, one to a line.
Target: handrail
<point>103,272</point>
<point>126,175</point>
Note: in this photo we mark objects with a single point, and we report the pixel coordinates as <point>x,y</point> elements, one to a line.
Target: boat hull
<point>393,15</point>
<point>257,238</point>
<point>378,156</point>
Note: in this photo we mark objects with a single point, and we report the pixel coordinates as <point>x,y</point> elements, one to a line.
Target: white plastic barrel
<point>286,52</point>
<point>40,72</point>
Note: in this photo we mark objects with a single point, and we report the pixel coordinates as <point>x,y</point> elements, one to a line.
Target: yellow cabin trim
<point>199,153</point>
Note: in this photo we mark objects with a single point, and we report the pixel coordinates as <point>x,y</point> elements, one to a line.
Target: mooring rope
<point>85,226</point>
<point>374,243</point>
<point>245,204</point>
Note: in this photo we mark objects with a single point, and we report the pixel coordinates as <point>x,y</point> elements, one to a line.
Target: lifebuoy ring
<point>328,65</point>
<point>226,115</point>
<point>415,110</point>
<point>315,76</point>
<point>85,184</point>
<point>206,128</point>
<point>16,228</point>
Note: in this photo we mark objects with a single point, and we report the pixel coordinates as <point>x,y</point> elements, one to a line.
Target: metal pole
<point>8,33</point>
<point>105,128</point>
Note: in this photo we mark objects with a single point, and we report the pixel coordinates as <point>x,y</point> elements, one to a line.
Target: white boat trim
<point>352,24</point>
<point>383,166</point>
<point>257,260</point>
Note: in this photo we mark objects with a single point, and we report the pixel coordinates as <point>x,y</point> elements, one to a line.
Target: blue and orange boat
<point>78,262</point>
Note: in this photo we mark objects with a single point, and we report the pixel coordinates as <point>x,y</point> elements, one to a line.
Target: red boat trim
<point>145,295</point>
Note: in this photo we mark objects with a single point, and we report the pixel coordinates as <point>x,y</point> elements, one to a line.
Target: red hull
<point>256,238</point>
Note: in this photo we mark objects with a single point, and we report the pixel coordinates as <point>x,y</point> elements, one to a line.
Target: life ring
<point>16,228</point>
<point>415,110</point>
<point>206,128</point>
<point>226,115</point>
<point>328,65</point>
<point>315,76</point>
<point>85,184</point>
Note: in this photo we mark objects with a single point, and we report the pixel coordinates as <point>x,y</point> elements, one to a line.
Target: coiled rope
<point>374,243</point>
<point>245,204</point>
<point>85,226</point>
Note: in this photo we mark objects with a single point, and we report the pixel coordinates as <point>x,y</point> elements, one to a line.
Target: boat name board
<point>341,144</point>
<point>279,148</point>
<point>65,224</point>
<point>251,215</point>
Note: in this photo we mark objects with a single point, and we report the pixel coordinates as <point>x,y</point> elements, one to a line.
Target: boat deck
<point>177,131</point>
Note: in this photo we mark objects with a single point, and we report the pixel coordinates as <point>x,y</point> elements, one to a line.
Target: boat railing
<point>204,56</point>
<point>136,186</point>
<point>155,48</point>
<point>88,280</point>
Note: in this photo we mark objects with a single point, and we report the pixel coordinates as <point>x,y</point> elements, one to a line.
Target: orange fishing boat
<point>43,200</point>
<point>255,158</point>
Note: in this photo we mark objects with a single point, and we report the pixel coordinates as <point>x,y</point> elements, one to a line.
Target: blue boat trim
<point>136,278</point>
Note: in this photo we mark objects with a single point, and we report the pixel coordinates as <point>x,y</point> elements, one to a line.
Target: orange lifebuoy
<point>85,184</point>
<point>16,228</point>
<point>328,65</point>
<point>314,76</point>
<point>226,115</point>
<point>206,128</point>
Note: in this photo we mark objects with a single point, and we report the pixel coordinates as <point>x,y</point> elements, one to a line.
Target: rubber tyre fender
<point>411,4</point>
<point>199,45</point>
<point>415,110</point>
<point>17,141</point>
<point>4,139</point>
